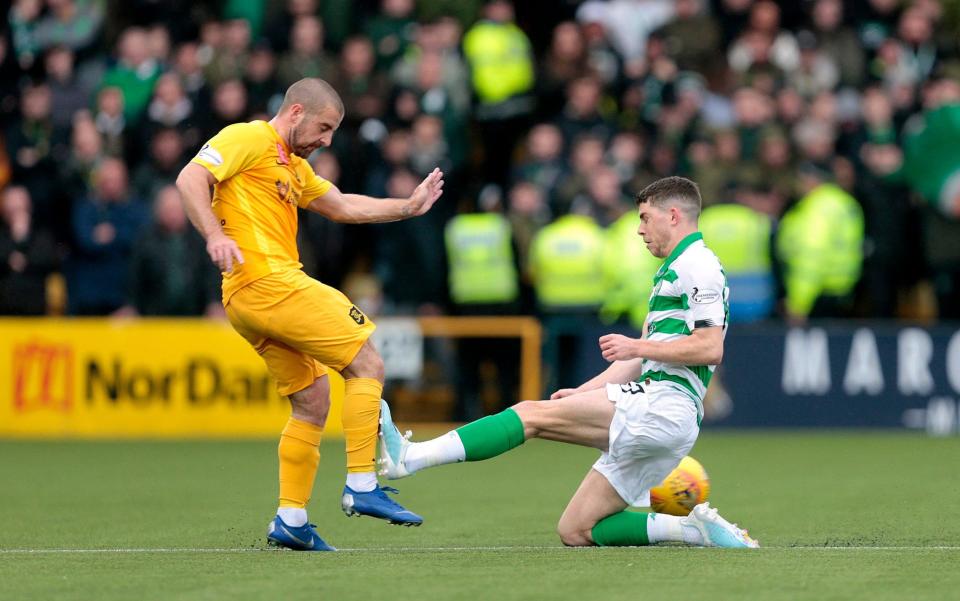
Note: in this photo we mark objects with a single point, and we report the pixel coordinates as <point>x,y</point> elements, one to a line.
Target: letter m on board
<point>42,376</point>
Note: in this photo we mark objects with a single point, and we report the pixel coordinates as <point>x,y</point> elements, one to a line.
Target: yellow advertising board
<point>144,378</point>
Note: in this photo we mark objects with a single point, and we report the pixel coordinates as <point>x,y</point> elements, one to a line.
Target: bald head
<point>311,112</point>
<point>313,94</point>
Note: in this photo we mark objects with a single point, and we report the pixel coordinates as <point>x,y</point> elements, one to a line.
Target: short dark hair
<point>673,191</point>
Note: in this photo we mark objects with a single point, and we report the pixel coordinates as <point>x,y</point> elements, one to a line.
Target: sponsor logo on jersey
<point>705,297</point>
<point>209,154</point>
<point>357,315</point>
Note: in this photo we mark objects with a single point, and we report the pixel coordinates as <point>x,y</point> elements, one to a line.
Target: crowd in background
<point>815,116</point>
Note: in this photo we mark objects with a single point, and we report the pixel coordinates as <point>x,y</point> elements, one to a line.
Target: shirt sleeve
<point>706,291</point>
<point>236,148</point>
<point>315,186</point>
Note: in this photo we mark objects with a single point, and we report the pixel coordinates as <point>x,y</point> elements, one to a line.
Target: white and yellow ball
<point>683,488</point>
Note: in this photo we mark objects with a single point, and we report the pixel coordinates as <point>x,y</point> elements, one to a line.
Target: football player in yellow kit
<point>259,175</point>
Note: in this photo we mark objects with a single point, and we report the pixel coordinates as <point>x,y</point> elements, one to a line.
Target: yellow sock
<point>299,453</point>
<point>361,419</point>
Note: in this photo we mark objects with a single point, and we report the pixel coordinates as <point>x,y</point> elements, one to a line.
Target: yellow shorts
<point>298,326</point>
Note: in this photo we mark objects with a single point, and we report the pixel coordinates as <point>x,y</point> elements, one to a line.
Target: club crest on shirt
<point>357,315</point>
<point>282,189</point>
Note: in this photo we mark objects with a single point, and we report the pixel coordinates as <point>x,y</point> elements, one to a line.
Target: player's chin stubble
<point>293,137</point>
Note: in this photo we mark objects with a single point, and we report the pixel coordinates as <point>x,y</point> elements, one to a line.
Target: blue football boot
<point>304,538</point>
<point>377,504</point>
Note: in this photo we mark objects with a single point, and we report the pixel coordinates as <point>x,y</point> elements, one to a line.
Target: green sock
<point>492,435</point>
<point>624,529</point>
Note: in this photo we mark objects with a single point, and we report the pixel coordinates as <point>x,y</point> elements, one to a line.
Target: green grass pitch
<point>840,515</point>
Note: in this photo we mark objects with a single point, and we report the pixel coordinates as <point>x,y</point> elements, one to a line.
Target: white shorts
<point>653,428</point>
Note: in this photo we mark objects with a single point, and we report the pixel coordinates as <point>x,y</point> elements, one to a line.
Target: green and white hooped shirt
<point>689,292</point>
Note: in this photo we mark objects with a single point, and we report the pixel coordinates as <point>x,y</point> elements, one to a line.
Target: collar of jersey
<point>277,138</point>
<point>678,250</point>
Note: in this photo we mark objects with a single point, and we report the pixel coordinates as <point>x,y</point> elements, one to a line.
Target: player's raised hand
<point>616,347</point>
<point>223,251</point>
<point>426,194</point>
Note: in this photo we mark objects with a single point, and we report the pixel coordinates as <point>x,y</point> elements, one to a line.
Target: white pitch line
<point>268,550</point>
<point>144,550</point>
<point>428,549</point>
<point>855,548</point>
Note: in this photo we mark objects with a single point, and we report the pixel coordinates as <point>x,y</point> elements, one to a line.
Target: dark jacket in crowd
<point>97,273</point>
<point>24,292</point>
<point>171,274</point>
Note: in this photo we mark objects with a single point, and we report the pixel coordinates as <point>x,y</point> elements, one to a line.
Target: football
<point>686,486</point>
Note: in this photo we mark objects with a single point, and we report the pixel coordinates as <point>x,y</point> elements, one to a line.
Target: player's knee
<point>372,367</point>
<point>367,364</point>
<point>312,403</point>
<point>318,409</point>
<point>573,535</point>
<point>529,412</point>
<point>376,366</point>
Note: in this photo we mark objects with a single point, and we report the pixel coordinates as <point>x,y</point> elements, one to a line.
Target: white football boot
<point>393,446</point>
<point>716,531</point>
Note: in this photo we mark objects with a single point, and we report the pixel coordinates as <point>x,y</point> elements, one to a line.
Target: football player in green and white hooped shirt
<point>643,412</point>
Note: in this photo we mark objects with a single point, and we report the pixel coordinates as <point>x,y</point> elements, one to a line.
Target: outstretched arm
<point>194,184</point>
<point>357,208</point>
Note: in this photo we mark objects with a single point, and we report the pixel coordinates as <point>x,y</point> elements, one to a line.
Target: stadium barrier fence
<point>174,378</point>
<point>831,374</point>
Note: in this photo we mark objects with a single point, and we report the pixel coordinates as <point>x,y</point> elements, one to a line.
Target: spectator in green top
<point>134,73</point>
<point>73,24</point>
<point>391,31</point>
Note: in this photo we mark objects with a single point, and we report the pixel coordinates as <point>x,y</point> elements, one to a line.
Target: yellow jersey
<point>260,184</point>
